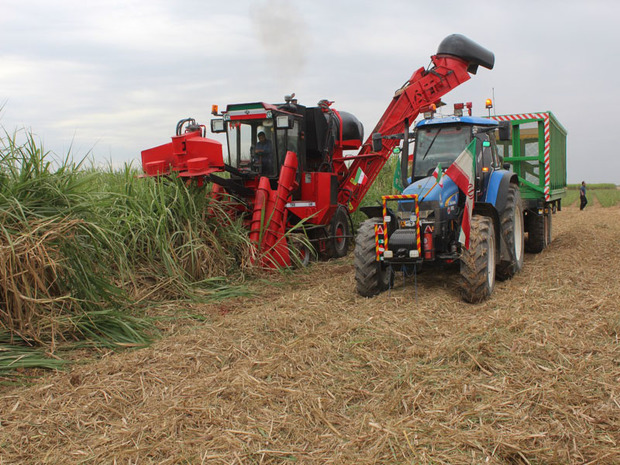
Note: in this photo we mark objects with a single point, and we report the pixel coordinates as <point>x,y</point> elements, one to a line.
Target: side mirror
<point>377,142</point>
<point>504,130</point>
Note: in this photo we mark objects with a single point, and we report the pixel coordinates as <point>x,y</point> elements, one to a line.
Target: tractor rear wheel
<point>511,223</point>
<point>537,238</point>
<point>371,276</point>
<point>478,263</point>
<point>339,234</point>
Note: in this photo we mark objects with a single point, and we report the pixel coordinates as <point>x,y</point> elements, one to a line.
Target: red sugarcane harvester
<point>287,163</point>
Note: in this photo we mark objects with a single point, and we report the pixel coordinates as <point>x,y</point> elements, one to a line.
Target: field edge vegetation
<point>85,251</point>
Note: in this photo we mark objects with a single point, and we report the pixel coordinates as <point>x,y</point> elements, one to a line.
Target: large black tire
<point>512,231</point>
<point>371,277</point>
<point>339,232</point>
<point>478,263</point>
<point>548,228</point>
<point>537,233</point>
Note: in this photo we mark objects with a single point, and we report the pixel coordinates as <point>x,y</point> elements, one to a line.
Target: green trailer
<point>534,144</point>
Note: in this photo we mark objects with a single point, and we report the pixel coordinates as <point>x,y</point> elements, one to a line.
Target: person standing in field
<point>582,195</point>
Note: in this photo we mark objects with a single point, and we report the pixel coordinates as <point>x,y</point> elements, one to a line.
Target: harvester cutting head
<point>190,154</point>
<point>462,47</point>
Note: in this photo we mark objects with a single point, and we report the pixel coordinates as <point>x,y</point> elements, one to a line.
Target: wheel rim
<point>518,235</point>
<point>340,241</point>
<point>339,234</point>
<point>304,256</point>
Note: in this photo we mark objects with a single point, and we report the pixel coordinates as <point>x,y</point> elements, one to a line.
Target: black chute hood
<point>462,47</point>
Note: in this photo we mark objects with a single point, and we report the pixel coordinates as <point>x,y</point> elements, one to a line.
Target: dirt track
<point>312,373</point>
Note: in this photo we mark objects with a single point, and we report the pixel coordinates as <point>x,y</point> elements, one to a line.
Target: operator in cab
<point>264,153</point>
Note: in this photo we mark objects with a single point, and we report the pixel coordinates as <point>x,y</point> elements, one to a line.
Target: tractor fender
<point>494,204</point>
<point>497,188</point>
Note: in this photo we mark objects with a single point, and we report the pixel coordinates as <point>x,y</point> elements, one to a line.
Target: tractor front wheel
<point>371,276</point>
<point>478,263</point>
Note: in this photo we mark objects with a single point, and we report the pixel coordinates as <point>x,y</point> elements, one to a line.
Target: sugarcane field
<point>273,232</point>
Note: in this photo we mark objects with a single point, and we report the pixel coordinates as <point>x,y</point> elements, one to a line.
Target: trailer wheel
<point>478,263</point>
<point>548,228</point>
<point>339,234</point>
<point>536,233</point>
<point>371,277</point>
<point>511,223</point>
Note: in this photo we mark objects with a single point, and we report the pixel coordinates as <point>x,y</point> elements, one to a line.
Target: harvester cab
<point>260,135</point>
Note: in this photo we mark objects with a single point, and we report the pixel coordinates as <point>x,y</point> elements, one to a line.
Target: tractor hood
<point>445,196</point>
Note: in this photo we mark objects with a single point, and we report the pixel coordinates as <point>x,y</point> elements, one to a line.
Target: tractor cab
<point>439,141</point>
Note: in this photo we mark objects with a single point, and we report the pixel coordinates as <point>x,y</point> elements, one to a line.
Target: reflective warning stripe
<point>385,199</point>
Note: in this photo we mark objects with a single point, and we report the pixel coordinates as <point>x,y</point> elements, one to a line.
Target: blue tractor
<point>423,226</point>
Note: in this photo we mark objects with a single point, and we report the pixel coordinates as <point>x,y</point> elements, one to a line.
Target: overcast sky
<point>114,76</point>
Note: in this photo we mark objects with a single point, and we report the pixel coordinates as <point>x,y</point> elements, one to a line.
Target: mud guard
<point>497,188</point>
<point>495,203</point>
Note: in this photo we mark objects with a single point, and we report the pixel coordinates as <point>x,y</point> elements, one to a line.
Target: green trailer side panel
<point>526,153</point>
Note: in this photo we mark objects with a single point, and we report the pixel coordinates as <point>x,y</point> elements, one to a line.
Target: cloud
<point>116,75</point>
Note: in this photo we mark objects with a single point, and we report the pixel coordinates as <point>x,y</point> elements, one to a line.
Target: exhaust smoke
<point>284,37</point>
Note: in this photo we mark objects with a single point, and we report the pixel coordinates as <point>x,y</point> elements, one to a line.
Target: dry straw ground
<point>308,372</point>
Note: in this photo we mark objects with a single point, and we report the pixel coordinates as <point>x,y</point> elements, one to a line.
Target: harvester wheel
<point>478,263</point>
<point>537,238</point>
<point>301,252</point>
<point>339,234</point>
<point>511,223</point>
<point>371,277</point>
